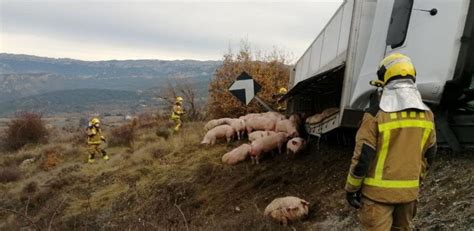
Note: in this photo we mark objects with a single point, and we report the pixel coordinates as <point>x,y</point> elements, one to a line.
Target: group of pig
<point>267,132</point>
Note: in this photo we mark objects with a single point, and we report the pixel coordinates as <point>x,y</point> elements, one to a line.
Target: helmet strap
<point>401,77</point>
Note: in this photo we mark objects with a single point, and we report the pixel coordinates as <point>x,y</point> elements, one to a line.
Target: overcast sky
<point>139,29</point>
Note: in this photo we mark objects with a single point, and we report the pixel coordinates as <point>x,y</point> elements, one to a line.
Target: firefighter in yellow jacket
<point>94,140</point>
<point>177,112</point>
<point>281,105</point>
<point>395,144</point>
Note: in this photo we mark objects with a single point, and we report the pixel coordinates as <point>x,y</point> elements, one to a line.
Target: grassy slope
<point>148,188</point>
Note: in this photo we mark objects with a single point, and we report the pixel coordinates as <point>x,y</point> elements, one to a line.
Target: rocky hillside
<point>23,75</point>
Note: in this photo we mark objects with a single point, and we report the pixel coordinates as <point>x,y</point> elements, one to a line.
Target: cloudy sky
<point>145,29</point>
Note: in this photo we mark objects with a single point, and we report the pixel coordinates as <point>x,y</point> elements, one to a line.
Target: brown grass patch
<point>9,174</point>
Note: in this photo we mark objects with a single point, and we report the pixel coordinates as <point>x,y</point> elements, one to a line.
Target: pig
<point>250,116</point>
<point>287,209</point>
<point>314,119</point>
<point>237,154</point>
<point>219,132</point>
<point>259,124</point>
<point>239,126</point>
<point>294,146</point>
<point>317,118</point>
<point>296,118</point>
<point>267,144</point>
<point>287,126</point>
<point>259,134</point>
<point>214,123</point>
<point>275,116</point>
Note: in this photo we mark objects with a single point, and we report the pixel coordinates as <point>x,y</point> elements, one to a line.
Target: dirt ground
<point>177,184</point>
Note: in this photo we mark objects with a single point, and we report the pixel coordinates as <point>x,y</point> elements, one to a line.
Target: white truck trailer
<point>336,68</point>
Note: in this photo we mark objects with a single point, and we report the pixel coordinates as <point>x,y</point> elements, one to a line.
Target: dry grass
<point>152,185</point>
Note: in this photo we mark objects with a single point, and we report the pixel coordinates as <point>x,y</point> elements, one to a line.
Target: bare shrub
<point>146,120</point>
<point>9,174</point>
<point>51,157</point>
<point>123,135</point>
<point>163,132</point>
<point>185,87</point>
<point>30,188</point>
<point>26,128</point>
<point>50,161</point>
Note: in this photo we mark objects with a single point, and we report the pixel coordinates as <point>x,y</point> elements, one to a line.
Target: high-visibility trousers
<point>177,122</point>
<point>375,216</point>
<point>93,150</point>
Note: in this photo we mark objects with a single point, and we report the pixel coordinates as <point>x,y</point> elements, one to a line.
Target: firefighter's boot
<point>104,155</point>
<point>91,159</point>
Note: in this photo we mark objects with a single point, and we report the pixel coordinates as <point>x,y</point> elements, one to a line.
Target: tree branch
<point>54,214</point>
<point>21,215</point>
<point>182,214</point>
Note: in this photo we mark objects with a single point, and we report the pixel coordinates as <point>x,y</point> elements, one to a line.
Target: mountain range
<point>36,83</point>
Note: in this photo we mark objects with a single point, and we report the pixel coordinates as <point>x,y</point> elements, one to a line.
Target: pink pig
<point>287,126</point>
<point>219,132</point>
<point>259,124</point>
<point>237,154</point>
<point>214,123</point>
<point>287,209</point>
<point>267,144</point>
<point>259,134</point>
<point>294,146</point>
<point>239,127</point>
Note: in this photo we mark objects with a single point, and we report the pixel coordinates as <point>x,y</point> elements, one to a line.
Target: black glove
<point>354,199</point>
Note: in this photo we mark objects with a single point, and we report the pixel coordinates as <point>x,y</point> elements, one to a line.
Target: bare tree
<point>168,92</point>
<point>184,87</point>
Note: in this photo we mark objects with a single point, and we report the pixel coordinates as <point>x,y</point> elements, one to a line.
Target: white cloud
<point>118,29</point>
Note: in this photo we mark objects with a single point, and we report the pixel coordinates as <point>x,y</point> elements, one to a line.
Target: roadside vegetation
<point>174,183</point>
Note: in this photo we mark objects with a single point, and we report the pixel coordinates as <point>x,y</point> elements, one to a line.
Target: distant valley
<point>52,86</point>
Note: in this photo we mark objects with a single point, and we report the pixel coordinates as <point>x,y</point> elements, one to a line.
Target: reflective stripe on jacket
<point>389,157</point>
<point>94,135</point>
<point>177,112</point>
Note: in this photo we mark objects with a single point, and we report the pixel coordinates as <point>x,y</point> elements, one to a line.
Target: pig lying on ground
<point>287,126</point>
<point>267,144</point>
<point>294,146</point>
<point>214,123</point>
<point>219,132</point>
<point>239,127</point>
<point>259,124</point>
<point>259,134</point>
<point>285,209</point>
<point>237,154</point>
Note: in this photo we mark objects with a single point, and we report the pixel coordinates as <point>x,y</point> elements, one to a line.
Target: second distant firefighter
<point>177,112</point>
<point>281,104</point>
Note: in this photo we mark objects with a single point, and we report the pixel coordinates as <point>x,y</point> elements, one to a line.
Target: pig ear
<point>304,202</point>
<point>294,142</point>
